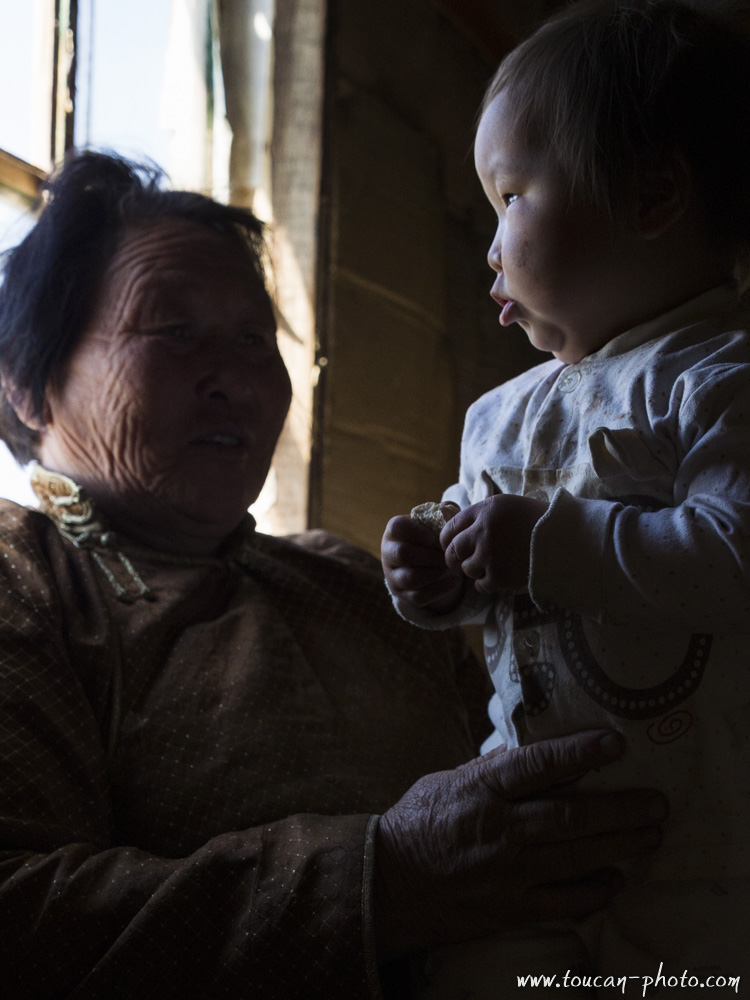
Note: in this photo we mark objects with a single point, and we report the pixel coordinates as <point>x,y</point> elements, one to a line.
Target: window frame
<point>21,181</point>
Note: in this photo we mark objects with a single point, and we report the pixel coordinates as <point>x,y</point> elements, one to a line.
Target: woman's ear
<point>664,188</point>
<point>21,405</point>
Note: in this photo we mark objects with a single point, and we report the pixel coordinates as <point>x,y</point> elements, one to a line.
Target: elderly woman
<point>201,724</point>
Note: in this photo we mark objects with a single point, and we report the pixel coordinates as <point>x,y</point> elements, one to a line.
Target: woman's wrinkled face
<point>170,406</point>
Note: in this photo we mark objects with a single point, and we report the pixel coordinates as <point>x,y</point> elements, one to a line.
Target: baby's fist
<point>415,569</point>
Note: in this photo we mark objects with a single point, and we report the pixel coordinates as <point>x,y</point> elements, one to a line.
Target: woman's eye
<point>508,199</point>
<point>253,338</point>
<point>173,331</point>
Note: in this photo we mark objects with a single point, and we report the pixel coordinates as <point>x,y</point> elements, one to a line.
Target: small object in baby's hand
<point>435,516</point>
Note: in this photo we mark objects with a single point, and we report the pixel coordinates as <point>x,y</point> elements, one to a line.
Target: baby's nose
<point>495,258</point>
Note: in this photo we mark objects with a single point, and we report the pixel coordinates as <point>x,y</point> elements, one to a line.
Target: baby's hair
<point>608,82</point>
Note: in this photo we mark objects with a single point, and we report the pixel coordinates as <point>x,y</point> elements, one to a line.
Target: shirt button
<point>531,642</point>
<point>569,380</point>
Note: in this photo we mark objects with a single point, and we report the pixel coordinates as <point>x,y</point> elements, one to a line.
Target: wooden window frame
<point>20,181</point>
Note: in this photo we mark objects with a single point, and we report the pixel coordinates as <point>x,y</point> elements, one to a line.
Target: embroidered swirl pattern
<point>671,727</point>
<point>624,702</point>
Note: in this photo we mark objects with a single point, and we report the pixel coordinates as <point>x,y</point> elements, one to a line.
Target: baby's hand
<point>490,541</point>
<point>415,569</point>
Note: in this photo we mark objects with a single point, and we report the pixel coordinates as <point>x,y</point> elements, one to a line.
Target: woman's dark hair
<point>606,82</point>
<point>51,279</point>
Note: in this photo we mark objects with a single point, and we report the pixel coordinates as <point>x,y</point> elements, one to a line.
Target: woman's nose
<point>223,372</point>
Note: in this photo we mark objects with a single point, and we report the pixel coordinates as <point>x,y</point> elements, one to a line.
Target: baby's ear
<point>664,187</point>
<point>21,404</point>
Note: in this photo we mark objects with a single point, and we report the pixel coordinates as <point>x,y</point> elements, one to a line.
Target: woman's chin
<point>220,510</point>
<point>195,519</point>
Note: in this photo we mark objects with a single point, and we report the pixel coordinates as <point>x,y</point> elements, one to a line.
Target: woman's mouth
<point>221,438</point>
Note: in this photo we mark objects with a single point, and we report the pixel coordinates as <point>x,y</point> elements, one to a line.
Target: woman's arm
<point>86,912</point>
<point>246,913</point>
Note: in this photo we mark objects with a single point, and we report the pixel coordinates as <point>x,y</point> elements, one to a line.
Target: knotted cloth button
<point>569,380</point>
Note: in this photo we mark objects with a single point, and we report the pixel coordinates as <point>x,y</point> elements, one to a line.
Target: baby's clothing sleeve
<point>685,565</point>
<point>472,610</point>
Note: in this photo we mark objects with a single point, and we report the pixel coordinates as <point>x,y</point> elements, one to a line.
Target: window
<point>139,78</point>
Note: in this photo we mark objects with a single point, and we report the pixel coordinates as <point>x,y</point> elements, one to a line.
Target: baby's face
<point>565,271</point>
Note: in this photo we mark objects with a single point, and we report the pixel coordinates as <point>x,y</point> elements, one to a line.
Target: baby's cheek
<point>523,255</point>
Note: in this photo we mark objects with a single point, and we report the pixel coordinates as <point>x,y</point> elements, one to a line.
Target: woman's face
<point>169,409</point>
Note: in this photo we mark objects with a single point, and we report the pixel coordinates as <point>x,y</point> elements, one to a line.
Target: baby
<point>604,531</point>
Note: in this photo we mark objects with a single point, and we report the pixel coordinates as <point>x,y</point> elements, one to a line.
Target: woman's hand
<point>415,568</point>
<point>490,542</point>
<point>469,852</point>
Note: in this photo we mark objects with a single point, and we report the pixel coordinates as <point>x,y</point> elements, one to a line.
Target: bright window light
<point>262,27</point>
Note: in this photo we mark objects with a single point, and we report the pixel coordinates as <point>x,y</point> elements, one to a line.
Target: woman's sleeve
<point>686,565</point>
<point>275,911</point>
<point>263,913</point>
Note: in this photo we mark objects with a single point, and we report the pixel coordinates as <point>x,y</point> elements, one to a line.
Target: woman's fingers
<point>568,860</point>
<point>559,900</point>
<point>588,814</point>
<point>463,849</point>
<point>541,767</point>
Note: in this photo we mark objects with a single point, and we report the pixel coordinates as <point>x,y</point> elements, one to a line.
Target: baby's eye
<point>508,199</point>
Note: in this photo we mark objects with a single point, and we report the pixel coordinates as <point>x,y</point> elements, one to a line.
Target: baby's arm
<point>685,566</point>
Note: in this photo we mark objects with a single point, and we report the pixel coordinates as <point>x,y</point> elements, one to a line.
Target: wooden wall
<point>407,333</point>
